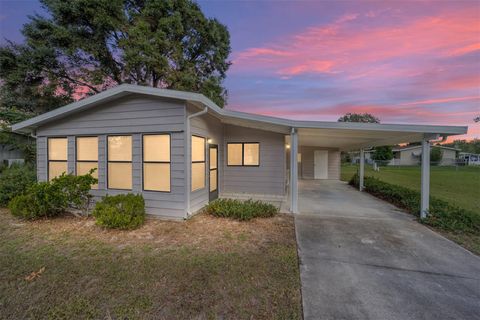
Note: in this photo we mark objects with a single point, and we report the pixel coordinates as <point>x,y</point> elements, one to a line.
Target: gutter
<point>188,156</point>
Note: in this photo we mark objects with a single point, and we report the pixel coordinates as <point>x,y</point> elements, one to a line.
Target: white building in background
<point>470,159</point>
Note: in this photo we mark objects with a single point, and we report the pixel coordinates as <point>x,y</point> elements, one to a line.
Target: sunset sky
<point>405,62</point>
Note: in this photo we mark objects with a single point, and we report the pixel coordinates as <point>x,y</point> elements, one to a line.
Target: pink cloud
<point>352,47</point>
<point>441,100</point>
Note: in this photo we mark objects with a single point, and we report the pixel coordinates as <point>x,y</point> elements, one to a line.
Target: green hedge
<point>240,210</point>
<point>48,199</point>
<point>14,180</point>
<point>123,211</point>
<point>441,214</point>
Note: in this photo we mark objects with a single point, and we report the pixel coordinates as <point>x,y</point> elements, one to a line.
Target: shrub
<point>123,211</point>
<point>14,180</point>
<point>441,213</point>
<point>240,210</point>
<point>48,199</point>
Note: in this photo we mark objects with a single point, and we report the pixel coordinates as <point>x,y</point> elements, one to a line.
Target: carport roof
<point>343,135</point>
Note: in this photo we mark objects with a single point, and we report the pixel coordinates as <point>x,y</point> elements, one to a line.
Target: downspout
<point>187,158</point>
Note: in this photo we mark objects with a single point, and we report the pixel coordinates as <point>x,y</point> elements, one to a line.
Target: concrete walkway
<point>361,258</point>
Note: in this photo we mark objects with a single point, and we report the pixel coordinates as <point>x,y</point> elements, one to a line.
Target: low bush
<point>123,211</point>
<point>441,213</point>
<point>14,180</point>
<point>48,199</point>
<point>240,210</point>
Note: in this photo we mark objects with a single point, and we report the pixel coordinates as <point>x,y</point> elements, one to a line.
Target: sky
<point>412,62</point>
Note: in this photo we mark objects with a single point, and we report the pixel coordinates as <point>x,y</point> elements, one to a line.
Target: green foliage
<point>359,117</point>
<point>383,153</point>
<point>48,199</point>
<point>472,146</point>
<point>435,155</point>
<point>14,180</point>
<point>123,211</point>
<point>94,45</point>
<point>241,210</point>
<point>76,189</point>
<point>441,214</point>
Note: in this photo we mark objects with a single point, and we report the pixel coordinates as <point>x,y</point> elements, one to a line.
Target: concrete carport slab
<point>362,258</point>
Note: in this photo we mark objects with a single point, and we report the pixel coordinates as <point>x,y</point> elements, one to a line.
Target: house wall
<point>131,115</point>
<point>265,181</point>
<point>448,157</point>
<point>307,164</point>
<point>209,127</point>
<point>408,159</point>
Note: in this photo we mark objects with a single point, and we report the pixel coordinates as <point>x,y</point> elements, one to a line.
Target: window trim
<point>204,162</point>
<point>48,155</point>
<point>107,174</point>
<point>143,161</point>
<point>243,153</point>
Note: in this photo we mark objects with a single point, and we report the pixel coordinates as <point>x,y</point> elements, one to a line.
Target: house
<point>9,154</point>
<point>355,156</point>
<point>180,150</point>
<point>469,159</point>
<point>411,156</point>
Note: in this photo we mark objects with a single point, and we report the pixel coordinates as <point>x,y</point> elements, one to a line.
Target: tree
<point>383,153</point>
<point>477,119</point>
<point>359,117</point>
<point>436,155</point>
<point>28,88</point>
<point>158,43</point>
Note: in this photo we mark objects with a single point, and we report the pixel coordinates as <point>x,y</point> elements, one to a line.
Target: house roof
<point>343,135</point>
<point>419,147</point>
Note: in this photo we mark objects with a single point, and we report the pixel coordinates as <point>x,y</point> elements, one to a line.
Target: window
<point>213,168</point>
<point>198,163</point>
<point>243,154</point>
<point>57,157</point>
<point>87,156</point>
<point>156,162</point>
<point>119,162</point>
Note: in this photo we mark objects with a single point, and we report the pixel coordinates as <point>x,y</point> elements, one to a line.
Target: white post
<point>362,170</point>
<point>425,184</point>
<point>293,171</point>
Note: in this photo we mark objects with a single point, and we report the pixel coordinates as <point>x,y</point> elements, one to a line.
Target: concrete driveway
<point>361,258</point>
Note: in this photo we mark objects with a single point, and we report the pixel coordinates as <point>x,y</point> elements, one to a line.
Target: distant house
<point>9,154</point>
<point>412,155</point>
<point>470,159</point>
<point>355,156</point>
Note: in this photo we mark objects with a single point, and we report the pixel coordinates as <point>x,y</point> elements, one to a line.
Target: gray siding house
<point>180,150</point>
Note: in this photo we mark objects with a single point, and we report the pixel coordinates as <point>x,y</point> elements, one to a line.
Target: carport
<point>349,136</point>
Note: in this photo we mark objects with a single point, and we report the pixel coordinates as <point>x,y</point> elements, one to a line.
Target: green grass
<point>184,271</point>
<point>459,186</point>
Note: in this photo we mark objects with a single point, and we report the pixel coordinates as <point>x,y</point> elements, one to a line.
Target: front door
<point>213,172</point>
<point>320,161</point>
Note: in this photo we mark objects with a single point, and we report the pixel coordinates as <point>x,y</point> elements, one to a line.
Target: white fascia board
<point>124,89</point>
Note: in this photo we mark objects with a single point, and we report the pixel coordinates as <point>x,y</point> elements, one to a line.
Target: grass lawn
<point>206,267</point>
<point>460,187</point>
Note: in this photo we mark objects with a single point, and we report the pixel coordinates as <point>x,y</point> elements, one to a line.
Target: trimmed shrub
<point>14,180</point>
<point>48,199</point>
<point>441,214</point>
<point>123,211</point>
<point>240,210</point>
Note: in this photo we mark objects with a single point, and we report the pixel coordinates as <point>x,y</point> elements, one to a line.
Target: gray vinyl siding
<point>208,127</point>
<point>266,179</point>
<point>42,159</point>
<point>306,167</point>
<point>132,115</point>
